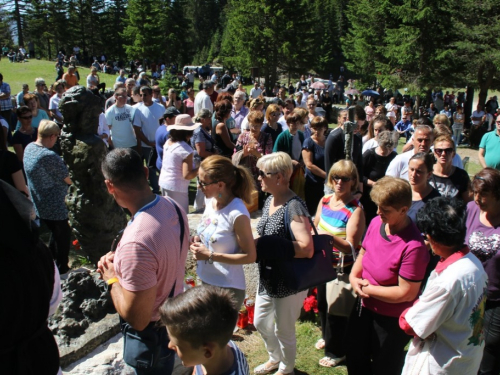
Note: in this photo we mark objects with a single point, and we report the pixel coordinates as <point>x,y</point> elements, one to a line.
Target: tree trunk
<point>468,106</point>
<point>485,79</point>
<point>17,16</point>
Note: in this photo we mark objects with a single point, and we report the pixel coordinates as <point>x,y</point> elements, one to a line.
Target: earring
<point>277,183</point>
<point>219,196</point>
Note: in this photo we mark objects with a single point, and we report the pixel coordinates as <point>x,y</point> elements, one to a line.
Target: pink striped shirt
<point>149,252</point>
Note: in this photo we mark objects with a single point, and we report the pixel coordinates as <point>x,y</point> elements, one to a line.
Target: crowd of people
<point>415,240</point>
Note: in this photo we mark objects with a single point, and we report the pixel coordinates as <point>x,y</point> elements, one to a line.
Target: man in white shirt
<point>255,92</point>
<point>392,108</point>
<point>422,141</point>
<point>202,99</point>
<point>407,110</point>
<point>148,115</point>
<point>119,118</point>
<point>54,112</point>
<point>190,78</point>
<point>478,116</point>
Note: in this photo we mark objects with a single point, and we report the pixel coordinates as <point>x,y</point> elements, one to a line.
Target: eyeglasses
<point>498,122</point>
<point>205,184</point>
<point>275,114</point>
<point>337,179</point>
<point>265,174</point>
<point>448,150</point>
<point>142,95</point>
<point>26,117</point>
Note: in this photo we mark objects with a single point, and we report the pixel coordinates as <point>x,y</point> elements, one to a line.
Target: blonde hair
<point>443,119</point>
<point>391,192</point>
<point>48,128</point>
<point>302,112</point>
<point>277,162</point>
<point>270,109</point>
<point>237,178</point>
<point>344,168</point>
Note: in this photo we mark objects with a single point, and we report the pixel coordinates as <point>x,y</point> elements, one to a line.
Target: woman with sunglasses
<point>277,307</point>
<point>37,114</point>
<point>483,238</point>
<point>449,180</point>
<point>224,240</point>
<point>387,276</point>
<point>341,216</point>
<point>26,132</point>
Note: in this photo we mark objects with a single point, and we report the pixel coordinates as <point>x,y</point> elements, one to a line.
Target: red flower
<point>76,244</point>
<point>310,303</point>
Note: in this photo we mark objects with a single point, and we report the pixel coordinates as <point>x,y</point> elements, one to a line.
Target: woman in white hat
<point>177,165</point>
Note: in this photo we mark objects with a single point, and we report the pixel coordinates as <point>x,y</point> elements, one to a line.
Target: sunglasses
<point>337,179</point>
<point>265,174</point>
<point>498,122</point>
<point>143,95</point>
<point>448,150</point>
<point>205,184</point>
<point>26,117</point>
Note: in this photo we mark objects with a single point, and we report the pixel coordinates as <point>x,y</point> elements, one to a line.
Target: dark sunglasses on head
<point>337,179</point>
<point>448,150</point>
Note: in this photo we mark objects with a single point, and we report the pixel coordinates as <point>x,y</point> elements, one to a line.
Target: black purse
<point>142,349</point>
<point>304,273</point>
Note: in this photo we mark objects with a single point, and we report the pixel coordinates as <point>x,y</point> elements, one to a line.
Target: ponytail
<point>244,184</point>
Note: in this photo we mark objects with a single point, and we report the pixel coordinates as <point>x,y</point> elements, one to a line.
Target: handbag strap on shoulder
<point>181,223</point>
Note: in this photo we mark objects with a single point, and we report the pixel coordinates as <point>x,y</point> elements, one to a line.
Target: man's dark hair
<point>125,169</point>
<point>443,218</point>
<point>148,90</point>
<point>290,101</point>
<point>1,77</point>
<point>136,90</point>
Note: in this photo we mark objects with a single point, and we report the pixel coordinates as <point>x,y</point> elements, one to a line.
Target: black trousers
<point>60,242</point>
<point>375,344</point>
<point>490,363</point>
<point>333,328</point>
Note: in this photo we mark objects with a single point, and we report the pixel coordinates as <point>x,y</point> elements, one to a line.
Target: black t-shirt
<point>452,186</point>
<point>24,139</point>
<point>9,164</point>
<point>274,133</point>
<point>417,205</point>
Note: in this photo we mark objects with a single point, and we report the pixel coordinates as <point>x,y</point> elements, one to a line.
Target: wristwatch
<point>211,257</point>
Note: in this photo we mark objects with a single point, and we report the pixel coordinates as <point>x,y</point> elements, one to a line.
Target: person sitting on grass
<point>200,323</point>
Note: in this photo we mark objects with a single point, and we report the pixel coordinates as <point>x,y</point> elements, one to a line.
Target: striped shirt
<point>335,223</point>
<point>149,252</point>
<point>239,367</point>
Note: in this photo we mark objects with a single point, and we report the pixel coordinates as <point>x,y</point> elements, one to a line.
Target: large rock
<point>93,213</point>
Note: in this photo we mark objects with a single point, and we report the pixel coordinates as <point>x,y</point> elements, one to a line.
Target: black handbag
<point>142,349</point>
<point>304,273</point>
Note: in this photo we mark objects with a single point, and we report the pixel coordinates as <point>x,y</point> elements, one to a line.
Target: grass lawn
<point>15,74</point>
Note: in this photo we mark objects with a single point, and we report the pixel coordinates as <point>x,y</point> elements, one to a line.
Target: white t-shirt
<point>92,81</point>
<point>103,128</point>
<point>119,121</point>
<point>391,108</point>
<point>369,144</point>
<point>399,165</point>
<point>450,308</point>
<point>255,92</point>
<point>171,168</point>
<point>283,123</point>
<point>202,100</point>
<point>477,114</point>
<point>148,119</point>
<point>216,231</point>
<point>54,105</point>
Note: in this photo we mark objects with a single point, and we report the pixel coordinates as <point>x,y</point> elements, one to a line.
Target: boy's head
<point>199,321</point>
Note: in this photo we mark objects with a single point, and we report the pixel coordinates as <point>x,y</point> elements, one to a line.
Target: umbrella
<point>370,93</point>
<point>351,92</point>
<point>318,85</point>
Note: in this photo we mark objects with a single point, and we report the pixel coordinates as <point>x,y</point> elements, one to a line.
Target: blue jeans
<point>165,364</point>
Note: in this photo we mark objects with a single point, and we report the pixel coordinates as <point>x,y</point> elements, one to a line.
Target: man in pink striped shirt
<point>148,264</point>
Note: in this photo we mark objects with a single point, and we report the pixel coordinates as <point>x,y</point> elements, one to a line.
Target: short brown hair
<point>487,181</point>
<point>270,109</point>
<point>391,192</point>
<point>293,117</point>
<point>319,122</point>
<point>201,315</point>
<point>222,109</point>
<point>256,117</point>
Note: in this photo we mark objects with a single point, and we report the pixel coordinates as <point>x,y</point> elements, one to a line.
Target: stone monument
<point>95,217</point>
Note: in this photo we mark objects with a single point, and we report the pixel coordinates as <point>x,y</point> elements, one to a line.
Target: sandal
<point>330,362</point>
<point>263,369</point>
<point>320,344</point>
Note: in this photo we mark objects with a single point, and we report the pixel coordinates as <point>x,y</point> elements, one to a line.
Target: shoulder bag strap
<point>181,223</point>
<point>288,227</point>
